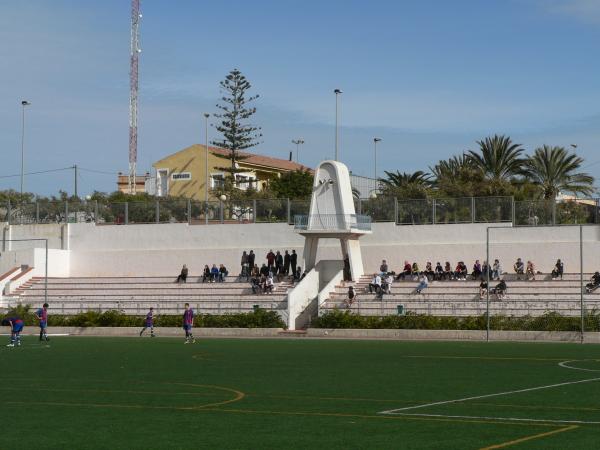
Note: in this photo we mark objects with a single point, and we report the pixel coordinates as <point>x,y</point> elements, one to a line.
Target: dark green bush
<point>256,319</point>
<point>551,321</point>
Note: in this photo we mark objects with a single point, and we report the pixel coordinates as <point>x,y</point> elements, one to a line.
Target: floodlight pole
<point>46,274</point>
<point>581,282</point>
<point>487,293</point>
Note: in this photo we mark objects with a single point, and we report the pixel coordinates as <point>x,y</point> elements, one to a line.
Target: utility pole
<point>75,174</point>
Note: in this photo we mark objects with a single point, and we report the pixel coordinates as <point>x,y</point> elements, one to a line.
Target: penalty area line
<point>477,397</point>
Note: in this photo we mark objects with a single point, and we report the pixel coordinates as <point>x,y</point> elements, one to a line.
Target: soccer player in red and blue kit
<point>149,323</point>
<point>188,321</point>
<point>42,317</point>
<point>16,326</point>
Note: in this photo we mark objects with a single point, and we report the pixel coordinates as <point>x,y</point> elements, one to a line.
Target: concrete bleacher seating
<point>461,298</point>
<point>134,295</point>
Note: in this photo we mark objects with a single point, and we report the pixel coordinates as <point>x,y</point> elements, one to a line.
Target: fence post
<point>96,212</point>
<point>37,212</point>
<point>254,210</point>
<point>206,213</point>
<point>66,212</point>
<point>157,212</point>
<point>472,209</point>
<point>553,212</point>
<point>433,212</point>
<point>396,210</point>
<point>189,211</point>
<point>289,211</point>
<point>512,205</point>
<point>9,212</point>
<point>581,285</point>
<point>596,212</point>
<point>126,213</point>
<point>221,210</point>
<point>359,206</point>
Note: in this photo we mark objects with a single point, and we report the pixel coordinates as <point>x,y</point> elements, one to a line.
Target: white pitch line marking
<point>445,402</point>
<point>565,364</point>
<point>582,422</point>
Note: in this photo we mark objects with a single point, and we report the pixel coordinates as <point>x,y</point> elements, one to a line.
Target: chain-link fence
<point>380,209</point>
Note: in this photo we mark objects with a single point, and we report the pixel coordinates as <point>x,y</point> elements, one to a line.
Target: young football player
<point>149,323</point>
<point>16,326</point>
<point>188,321</point>
<point>42,317</point>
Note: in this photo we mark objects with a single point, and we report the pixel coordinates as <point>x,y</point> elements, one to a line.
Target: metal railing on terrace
<point>379,209</point>
<point>332,222</point>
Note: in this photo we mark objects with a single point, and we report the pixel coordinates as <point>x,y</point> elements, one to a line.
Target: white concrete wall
<point>53,232</point>
<point>162,249</point>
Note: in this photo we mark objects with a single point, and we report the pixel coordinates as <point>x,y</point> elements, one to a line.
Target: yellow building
<point>184,173</point>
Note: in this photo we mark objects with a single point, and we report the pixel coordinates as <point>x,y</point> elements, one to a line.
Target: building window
<point>245,181</point>
<point>182,176</point>
<point>217,180</point>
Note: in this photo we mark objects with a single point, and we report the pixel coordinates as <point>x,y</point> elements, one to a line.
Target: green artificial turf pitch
<point>129,393</point>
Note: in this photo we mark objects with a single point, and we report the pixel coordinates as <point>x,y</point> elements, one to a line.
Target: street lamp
<point>24,103</point>
<point>298,143</point>
<point>337,93</point>
<point>375,141</point>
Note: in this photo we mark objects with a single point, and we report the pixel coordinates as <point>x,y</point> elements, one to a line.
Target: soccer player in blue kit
<point>149,323</point>
<point>16,326</point>
<point>42,317</point>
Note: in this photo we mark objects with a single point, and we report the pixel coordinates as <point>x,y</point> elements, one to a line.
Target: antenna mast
<point>133,95</point>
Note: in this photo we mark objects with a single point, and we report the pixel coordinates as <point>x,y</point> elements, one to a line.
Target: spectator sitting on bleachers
<point>351,297</point>
<point>594,283</point>
<point>476,273</point>
<point>214,273</point>
<point>448,271</point>
<point>496,270</point>
<point>375,284</point>
<point>530,271</point>
<point>406,272</point>
<point>206,274</point>
<point>423,283</point>
<point>222,273</point>
<point>500,290</point>
<point>386,284</point>
<point>429,271</point>
<point>269,285</point>
<point>558,270</point>
<point>461,271</point>
<point>416,272</point>
<point>483,287</point>
<point>439,271</point>
<point>485,267</point>
<point>255,283</point>
<point>383,268</point>
<point>519,268</point>
<point>182,277</point>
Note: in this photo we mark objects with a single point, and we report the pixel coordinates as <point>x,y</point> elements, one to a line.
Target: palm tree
<point>452,168</point>
<point>554,169</point>
<point>405,179</point>
<point>407,185</point>
<point>498,158</point>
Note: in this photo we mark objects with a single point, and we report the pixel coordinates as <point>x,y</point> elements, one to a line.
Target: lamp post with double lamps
<point>375,141</point>
<point>24,103</point>
<point>337,93</point>
<point>298,143</point>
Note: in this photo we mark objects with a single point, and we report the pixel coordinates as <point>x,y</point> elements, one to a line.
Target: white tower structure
<point>133,92</point>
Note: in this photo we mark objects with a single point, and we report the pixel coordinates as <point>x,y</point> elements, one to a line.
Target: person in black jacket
<point>251,257</point>
<point>286,263</point>
<point>294,261</point>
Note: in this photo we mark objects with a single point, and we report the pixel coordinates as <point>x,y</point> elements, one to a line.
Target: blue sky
<point>429,77</point>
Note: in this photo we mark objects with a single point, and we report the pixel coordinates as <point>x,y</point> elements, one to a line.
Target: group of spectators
<point>277,264</point>
<point>211,275</point>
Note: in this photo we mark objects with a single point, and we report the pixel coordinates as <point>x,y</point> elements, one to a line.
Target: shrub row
<point>548,322</point>
<point>257,319</point>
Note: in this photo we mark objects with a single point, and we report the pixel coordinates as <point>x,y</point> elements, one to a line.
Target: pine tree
<point>237,133</point>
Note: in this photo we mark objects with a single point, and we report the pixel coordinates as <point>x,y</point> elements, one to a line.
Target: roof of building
<point>251,159</point>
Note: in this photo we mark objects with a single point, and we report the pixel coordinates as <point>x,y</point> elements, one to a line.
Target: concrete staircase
<point>461,298</point>
<point>134,295</point>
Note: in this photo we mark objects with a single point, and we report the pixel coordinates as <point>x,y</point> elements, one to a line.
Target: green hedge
<point>257,319</point>
<point>548,322</point>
